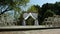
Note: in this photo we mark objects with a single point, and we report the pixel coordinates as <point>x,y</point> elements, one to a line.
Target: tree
<point>45,10</point>
<point>7,5</point>
<point>48,13</point>
<point>20,19</point>
<point>32,9</point>
<point>49,6</point>
<point>57,8</point>
<point>39,10</point>
<point>36,8</point>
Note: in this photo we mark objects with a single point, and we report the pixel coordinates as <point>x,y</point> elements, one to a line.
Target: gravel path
<point>47,31</point>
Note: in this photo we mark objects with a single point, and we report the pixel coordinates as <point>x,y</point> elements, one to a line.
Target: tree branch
<point>5,11</point>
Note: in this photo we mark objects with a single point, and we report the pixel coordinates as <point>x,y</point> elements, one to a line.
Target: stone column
<point>36,23</point>
<point>24,23</point>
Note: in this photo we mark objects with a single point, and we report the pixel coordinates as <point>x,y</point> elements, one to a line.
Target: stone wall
<point>54,21</point>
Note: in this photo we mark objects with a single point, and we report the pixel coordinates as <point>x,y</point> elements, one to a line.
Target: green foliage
<point>48,13</point>
<point>13,5</point>
<point>30,21</point>
<point>57,8</point>
<point>13,2</point>
<point>33,9</point>
<point>48,9</point>
<point>20,20</point>
<point>54,7</point>
<point>36,8</point>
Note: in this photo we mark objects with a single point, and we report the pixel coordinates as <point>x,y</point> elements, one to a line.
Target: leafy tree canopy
<point>48,13</point>
<point>7,5</point>
<point>33,9</point>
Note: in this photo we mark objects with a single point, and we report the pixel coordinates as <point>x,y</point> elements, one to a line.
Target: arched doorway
<point>30,21</point>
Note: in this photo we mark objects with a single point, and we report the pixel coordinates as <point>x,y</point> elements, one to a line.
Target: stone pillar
<point>24,23</point>
<point>36,23</point>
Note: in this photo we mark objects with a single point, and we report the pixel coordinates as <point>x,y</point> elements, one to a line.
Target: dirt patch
<point>47,31</point>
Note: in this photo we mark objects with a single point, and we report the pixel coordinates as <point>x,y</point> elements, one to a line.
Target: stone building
<point>30,18</point>
<point>53,21</point>
<point>6,20</point>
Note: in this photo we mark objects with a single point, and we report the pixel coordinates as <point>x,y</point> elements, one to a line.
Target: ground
<point>45,31</point>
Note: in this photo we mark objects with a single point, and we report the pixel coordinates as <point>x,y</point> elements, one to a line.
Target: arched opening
<point>30,21</point>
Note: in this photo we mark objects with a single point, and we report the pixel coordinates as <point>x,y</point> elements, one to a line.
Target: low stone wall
<point>46,31</point>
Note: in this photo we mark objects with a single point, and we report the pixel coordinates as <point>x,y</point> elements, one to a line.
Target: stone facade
<point>9,21</point>
<point>33,15</point>
<point>6,20</point>
<point>54,21</point>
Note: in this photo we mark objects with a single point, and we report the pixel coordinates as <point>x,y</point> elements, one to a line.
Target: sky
<point>41,2</point>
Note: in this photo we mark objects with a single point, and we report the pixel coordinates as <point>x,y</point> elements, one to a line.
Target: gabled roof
<point>27,15</point>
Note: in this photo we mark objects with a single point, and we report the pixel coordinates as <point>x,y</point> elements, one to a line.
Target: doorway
<point>30,21</point>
